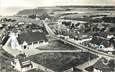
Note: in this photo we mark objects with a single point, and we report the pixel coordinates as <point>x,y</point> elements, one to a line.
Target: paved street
<point>62,51</point>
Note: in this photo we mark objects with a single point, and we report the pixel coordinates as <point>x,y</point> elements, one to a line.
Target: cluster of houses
<point>21,42</point>
<point>72,28</point>
<point>20,25</point>
<point>98,35</point>
<point>103,41</point>
<point>23,35</point>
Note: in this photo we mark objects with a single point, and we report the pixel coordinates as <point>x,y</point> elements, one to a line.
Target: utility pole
<point>89,58</point>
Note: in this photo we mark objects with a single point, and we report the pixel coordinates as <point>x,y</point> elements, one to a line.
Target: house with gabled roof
<point>25,40</point>
<point>22,64</point>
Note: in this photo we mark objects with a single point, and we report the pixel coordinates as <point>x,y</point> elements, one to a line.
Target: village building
<point>104,65</point>
<point>102,44</point>
<point>25,40</point>
<point>102,41</point>
<point>22,64</point>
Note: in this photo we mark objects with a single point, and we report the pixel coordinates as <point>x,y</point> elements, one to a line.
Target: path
<point>87,64</point>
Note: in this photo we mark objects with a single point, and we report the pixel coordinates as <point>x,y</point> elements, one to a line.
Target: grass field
<point>57,45</point>
<point>61,61</point>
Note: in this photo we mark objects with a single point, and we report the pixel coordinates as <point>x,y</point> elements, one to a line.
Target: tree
<point>112,64</point>
<point>32,16</point>
<point>44,16</point>
<point>112,41</point>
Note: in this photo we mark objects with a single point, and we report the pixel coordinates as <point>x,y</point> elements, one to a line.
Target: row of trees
<point>63,30</point>
<point>42,17</point>
<point>104,19</point>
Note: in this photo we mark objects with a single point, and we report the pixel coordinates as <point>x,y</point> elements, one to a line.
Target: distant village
<point>37,43</point>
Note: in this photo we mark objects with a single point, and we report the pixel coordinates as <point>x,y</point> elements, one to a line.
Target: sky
<point>9,7</point>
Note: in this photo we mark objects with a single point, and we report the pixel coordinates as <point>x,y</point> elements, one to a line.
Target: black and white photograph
<point>57,35</point>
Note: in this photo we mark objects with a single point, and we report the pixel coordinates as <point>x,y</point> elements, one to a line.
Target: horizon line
<point>63,5</point>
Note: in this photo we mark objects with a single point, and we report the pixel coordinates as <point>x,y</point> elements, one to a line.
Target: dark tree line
<point>42,17</point>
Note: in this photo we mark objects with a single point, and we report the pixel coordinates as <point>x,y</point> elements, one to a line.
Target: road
<point>62,51</point>
<point>91,50</point>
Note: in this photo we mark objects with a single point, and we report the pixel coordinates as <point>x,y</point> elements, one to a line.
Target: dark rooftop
<point>100,41</point>
<point>100,34</point>
<point>105,66</point>
<point>31,37</point>
<point>90,68</point>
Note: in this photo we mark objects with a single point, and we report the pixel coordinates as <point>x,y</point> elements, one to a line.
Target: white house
<point>22,64</point>
<point>25,40</point>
